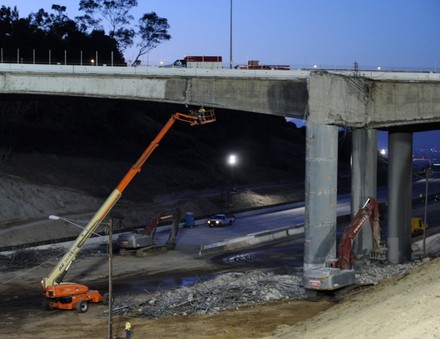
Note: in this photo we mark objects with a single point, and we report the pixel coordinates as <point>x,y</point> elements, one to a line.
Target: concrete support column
<point>363,182</point>
<point>399,196</point>
<point>320,194</point>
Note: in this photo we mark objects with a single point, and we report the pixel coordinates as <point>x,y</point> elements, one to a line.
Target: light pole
<point>230,36</point>
<point>56,217</point>
<point>232,161</point>
<point>427,174</point>
<point>110,275</point>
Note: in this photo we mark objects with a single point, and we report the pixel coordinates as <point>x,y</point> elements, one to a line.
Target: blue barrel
<point>189,219</point>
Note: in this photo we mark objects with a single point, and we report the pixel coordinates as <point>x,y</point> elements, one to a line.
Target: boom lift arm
<point>52,285</point>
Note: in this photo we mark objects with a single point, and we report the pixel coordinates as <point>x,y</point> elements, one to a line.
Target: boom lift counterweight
<point>68,296</point>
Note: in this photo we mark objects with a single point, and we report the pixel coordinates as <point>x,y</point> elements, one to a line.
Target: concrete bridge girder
<point>269,92</point>
<point>372,100</point>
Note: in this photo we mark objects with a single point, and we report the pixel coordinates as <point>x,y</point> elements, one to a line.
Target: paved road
<point>202,234</point>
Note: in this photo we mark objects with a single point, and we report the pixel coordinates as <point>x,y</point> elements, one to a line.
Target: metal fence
<point>58,58</point>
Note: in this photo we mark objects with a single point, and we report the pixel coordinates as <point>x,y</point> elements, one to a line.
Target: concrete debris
<point>227,291</point>
<point>233,290</point>
<point>369,272</point>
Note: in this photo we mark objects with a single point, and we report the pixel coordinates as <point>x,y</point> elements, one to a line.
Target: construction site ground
<point>399,307</point>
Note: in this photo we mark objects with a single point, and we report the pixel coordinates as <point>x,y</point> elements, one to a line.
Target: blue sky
<point>387,33</point>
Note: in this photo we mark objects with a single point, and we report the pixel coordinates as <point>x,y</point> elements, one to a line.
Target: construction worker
<point>128,330</point>
<point>201,113</point>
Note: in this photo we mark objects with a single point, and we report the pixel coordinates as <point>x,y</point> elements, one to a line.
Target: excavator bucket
<point>379,254</point>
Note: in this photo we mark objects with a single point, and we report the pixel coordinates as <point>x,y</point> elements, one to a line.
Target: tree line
<point>104,25</point>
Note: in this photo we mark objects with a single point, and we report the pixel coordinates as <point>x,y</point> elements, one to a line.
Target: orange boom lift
<point>69,296</point>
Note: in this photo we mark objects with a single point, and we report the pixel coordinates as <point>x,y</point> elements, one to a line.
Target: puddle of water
<point>281,258</point>
<point>142,285</point>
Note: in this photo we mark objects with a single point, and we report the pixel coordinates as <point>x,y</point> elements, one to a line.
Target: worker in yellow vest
<point>127,330</point>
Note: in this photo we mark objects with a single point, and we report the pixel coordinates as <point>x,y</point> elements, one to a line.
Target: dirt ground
<point>402,307</point>
<point>249,322</point>
<point>23,316</point>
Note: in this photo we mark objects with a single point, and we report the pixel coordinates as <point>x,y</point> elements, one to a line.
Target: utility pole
<point>110,274</point>
<point>230,36</point>
<point>428,174</point>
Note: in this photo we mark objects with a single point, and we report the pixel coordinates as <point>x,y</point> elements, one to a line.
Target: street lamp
<point>93,62</point>
<point>232,161</point>
<point>230,36</point>
<point>56,217</point>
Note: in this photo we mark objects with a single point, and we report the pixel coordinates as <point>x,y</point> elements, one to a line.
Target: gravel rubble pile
<point>233,290</point>
<point>227,291</point>
<point>370,272</point>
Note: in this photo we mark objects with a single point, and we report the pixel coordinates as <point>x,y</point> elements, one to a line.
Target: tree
<point>57,24</point>
<point>153,30</point>
<point>30,39</point>
<point>116,13</point>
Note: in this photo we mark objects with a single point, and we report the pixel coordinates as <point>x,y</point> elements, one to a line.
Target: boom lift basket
<point>200,117</point>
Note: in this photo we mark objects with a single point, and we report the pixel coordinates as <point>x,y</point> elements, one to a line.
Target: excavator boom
<point>337,273</point>
<point>143,242</point>
<point>369,211</point>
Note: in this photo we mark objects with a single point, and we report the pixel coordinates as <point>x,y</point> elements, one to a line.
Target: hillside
<point>65,155</point>
<point>72,133</point>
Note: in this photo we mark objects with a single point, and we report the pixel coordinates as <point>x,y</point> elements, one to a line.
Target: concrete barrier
<point>251,240</point>
<point>432,245</point>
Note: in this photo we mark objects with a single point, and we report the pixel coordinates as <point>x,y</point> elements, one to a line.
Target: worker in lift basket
<point>201,113</point>
<point>128,330</point>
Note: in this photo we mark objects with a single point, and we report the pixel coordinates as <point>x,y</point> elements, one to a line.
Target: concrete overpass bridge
<point>364,101</point>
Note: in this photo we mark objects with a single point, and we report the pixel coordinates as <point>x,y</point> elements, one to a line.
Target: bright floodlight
<point>232,160</point>
<point>54,217</point>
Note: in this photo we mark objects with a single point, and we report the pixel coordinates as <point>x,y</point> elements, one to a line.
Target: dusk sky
<point>400,34</point>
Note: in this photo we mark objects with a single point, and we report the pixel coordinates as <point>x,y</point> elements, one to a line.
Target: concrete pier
<point>399,196</point>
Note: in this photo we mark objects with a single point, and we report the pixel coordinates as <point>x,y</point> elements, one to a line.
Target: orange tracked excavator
<point>339,272</point>
<point>142,241</point>
<point>69,296</point>
<point>369,211</point>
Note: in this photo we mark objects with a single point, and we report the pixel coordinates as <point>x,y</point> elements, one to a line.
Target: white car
<point>221,220</point>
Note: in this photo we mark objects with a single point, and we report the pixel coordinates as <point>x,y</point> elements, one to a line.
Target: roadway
<point>293,216</point>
